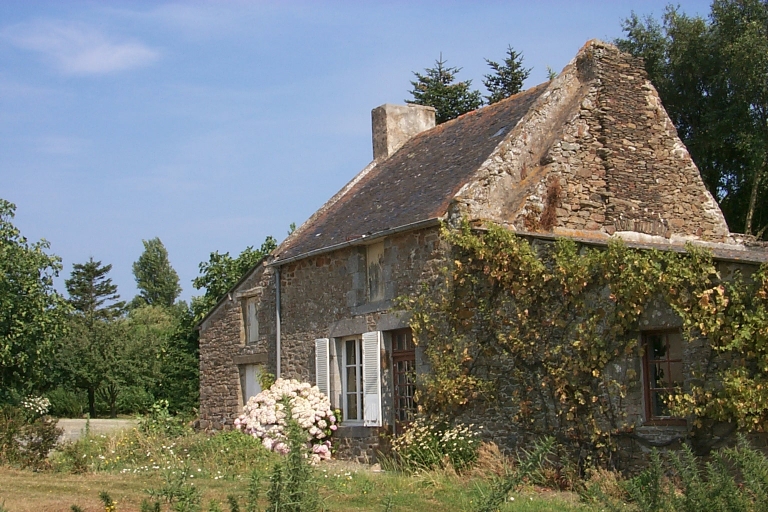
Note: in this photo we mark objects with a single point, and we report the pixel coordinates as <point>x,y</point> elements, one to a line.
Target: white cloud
<point>78,49</point>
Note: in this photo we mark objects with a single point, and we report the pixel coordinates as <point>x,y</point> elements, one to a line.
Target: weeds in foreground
<point>293,486</point>
<point>529,466</point>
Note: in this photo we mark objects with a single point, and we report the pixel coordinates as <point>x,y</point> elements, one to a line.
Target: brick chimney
<point>394,125</point>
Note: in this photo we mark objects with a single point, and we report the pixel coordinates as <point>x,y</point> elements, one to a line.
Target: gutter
<point>277,322</point>
<point>435,221</point>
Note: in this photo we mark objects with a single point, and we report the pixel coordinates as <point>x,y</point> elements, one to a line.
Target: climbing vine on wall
<point>553,328</point>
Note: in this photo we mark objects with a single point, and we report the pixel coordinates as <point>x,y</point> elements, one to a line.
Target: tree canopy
<point>157,281</point>
<point>712,76</point>
<point>507,78</point>
<point>222,271</point>
<point>32,313</point>
<point>438,88</point>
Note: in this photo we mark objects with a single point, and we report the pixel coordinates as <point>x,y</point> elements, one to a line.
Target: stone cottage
<point>589,155</point>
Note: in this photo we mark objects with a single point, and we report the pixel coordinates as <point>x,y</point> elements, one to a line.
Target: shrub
<point>428,445</point>
<point>26,438</point>
<point>530,464</point>
<point>66,403</point>
<point>134,400</point>
<point>160,422</point>
<point>265,417</point>
<point>292,485</point>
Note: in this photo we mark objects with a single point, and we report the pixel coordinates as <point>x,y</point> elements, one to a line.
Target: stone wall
<point>596,155</point>
<point>223,348</point>
<point>323,296</point>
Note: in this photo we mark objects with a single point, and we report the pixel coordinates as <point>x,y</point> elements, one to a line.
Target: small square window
<point>663,373</point>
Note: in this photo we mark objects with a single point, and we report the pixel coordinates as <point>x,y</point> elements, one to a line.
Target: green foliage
<point>160,422</point>
<point>254,490</point>
<point>66,403</point>
<point>530,464</point>
<point>292,484</point>
<point>712,76</point>
<point>647,490</point>
<point>430,444</point>
<point>157,281</point>
<point>91,292</point>
<point>558,324</point>
<point>176,377</point>
<point>221,272</point>
<point>437,88</point>
<point>178,490</point>
<point>507,78</point>
<point>107,501</point>
<point>32,314</point>
<point>26,440</point>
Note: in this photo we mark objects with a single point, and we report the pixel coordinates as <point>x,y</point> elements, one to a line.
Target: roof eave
<point>362,240</point>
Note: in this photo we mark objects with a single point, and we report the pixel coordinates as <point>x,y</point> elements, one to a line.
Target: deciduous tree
<point>712,76</point>
<point>157,281</point>
<point>32,313</point>
<point>222,271</point>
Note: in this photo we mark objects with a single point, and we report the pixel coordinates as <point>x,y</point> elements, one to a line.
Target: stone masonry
<point>589,155</point>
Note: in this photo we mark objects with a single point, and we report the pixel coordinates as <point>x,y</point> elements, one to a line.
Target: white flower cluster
<point>265,417</point>
<point>37,405</point>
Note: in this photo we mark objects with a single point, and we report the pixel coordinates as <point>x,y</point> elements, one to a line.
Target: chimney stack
<point>394,125</point>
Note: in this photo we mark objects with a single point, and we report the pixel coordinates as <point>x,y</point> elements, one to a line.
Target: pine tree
<point>437,88</point>
<point>157,281</point>
<point>91,292</point>
<point>507,78</point>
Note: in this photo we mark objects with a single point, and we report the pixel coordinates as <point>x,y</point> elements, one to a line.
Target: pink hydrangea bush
<point>265,417</point>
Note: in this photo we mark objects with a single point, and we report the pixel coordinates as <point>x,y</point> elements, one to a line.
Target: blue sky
<point>214,124</point>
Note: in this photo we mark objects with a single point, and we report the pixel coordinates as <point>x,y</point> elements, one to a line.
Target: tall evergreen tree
<point>438,88</point>
<point>91,292</point>
<point>157,281</point>
<point>507,78</point>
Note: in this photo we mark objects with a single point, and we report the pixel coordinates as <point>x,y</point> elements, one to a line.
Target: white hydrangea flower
<point>265,416</point>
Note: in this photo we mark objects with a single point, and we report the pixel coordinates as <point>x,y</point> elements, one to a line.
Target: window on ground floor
<point>403,376</point>
<point>663,373</point>
<point>348,370</point>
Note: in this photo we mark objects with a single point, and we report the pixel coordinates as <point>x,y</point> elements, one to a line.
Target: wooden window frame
<point>401,356</point>
<point>359,391</point>
<point>648,390</point>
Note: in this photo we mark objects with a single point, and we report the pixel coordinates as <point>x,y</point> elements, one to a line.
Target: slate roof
<point>415,184</point>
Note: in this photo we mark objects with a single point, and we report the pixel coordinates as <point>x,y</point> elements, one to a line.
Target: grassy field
<point>131,464</point>
<point>344,487</point>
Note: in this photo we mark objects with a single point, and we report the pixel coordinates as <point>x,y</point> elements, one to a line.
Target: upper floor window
<point>251,320</point>
<point>374,259</point>
<point>663,371</point>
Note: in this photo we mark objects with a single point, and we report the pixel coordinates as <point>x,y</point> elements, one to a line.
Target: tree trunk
<point>91,402</point>
<point>753,197</point>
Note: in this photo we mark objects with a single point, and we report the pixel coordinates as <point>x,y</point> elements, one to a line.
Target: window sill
<point>666,422</point>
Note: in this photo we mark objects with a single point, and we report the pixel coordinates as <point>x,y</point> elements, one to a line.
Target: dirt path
<point>74,428</point>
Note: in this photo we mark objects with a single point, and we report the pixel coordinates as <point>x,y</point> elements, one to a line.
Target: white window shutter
<point>372,379</point>
<point>322,366</point>
<point>253,322</point>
